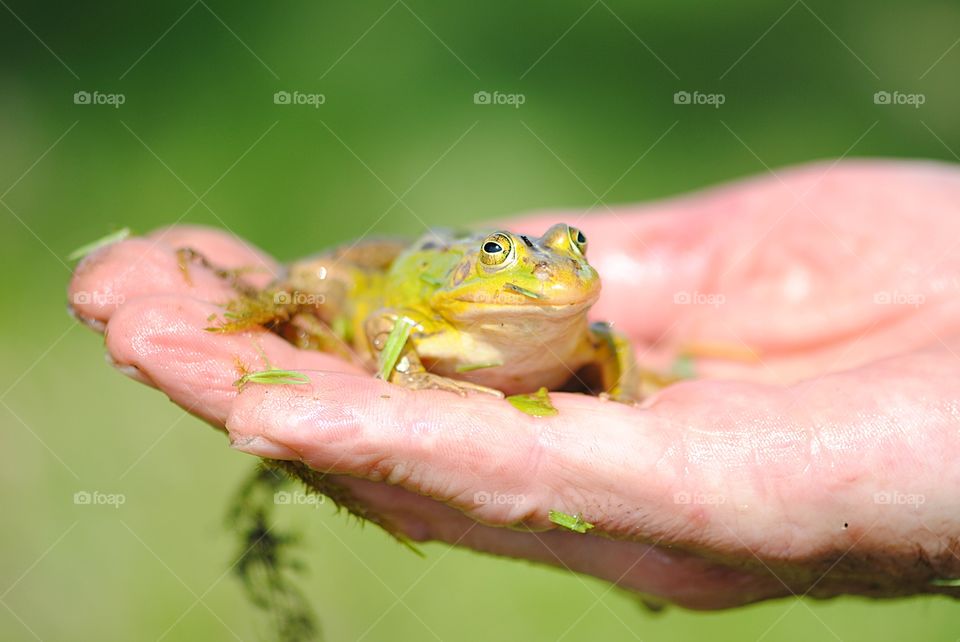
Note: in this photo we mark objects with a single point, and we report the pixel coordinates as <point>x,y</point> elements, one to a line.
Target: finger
<point>163,340</point>
<point>787,261</point>
<point>118,273</point>
<point>779,475</point>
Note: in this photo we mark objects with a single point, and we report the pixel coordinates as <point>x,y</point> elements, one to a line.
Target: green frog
<point>497,313</point>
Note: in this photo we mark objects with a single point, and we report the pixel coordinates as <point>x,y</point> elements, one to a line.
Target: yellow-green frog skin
<point>500,313</point>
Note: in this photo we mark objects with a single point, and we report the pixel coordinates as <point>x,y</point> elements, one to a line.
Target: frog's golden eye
<point>496,250</point>
<point>579,240</point>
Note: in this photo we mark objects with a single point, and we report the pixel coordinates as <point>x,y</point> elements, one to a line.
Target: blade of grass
<point>396,340</point>
<point>536,404</point>
<point>92,247</point>
<point>575,523</point>
<point>273,376</point>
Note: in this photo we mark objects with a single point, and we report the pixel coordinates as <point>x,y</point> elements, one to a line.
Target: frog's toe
<point>430,381</point>
<point>630,400</point>
<point>474,387</point>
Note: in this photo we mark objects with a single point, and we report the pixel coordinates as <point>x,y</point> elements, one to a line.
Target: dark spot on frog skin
<point>526,241</point>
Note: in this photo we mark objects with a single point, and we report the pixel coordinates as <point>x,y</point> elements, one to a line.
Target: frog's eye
<point>496,250</point>
<point>579,240</point>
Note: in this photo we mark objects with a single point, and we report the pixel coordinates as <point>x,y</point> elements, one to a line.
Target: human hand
<point>816,454</point>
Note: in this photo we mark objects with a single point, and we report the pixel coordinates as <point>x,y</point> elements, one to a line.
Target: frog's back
<point>424,266</point>
<point>350,279</point>
<point>357,279</point>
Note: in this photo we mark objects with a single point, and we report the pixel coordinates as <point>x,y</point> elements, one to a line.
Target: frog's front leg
<point>614,359</point>
<point>391,336</point>
<point>621,378</point>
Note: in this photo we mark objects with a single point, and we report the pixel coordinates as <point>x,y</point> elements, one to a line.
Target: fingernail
<point>131,371</point>
<point>263,447</point>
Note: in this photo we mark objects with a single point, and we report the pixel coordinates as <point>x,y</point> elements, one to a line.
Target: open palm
<point>817,452</point>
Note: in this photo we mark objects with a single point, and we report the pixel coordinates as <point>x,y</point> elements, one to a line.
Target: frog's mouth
<point>515,298</point>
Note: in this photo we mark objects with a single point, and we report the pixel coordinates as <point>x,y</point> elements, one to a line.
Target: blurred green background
<point>199,120</point>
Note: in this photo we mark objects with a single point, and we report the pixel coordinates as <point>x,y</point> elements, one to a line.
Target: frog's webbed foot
<point>272,307</point>
<point>188,255</point>
<point>652,381</point>
<point>420,379</point>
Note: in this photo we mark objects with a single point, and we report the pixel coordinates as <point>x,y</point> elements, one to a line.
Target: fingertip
<point>263,447</point>
<point>115,275</point>
<point>100,283</point>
